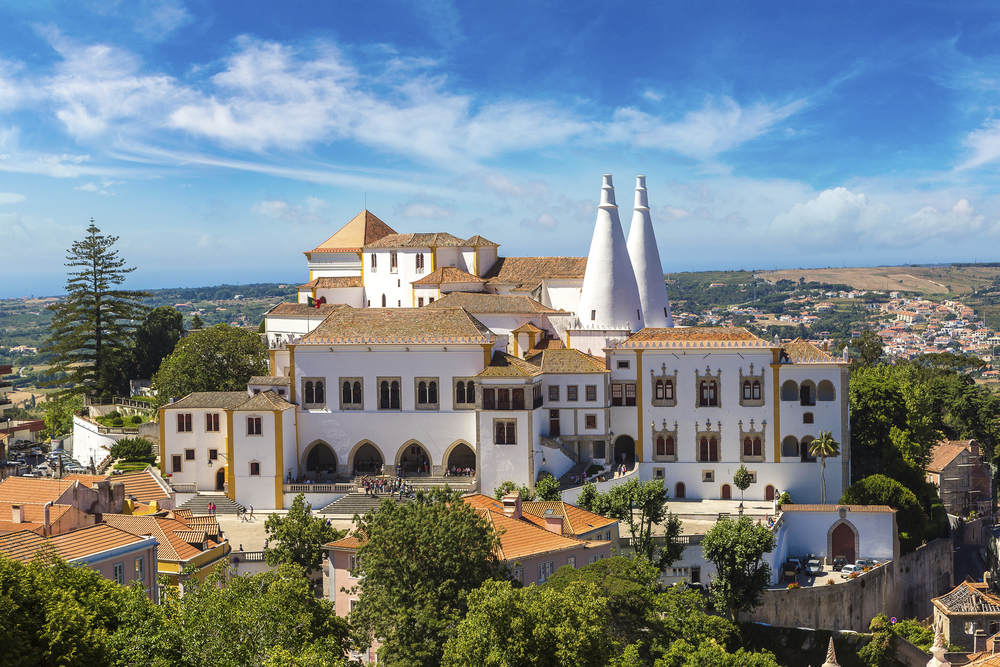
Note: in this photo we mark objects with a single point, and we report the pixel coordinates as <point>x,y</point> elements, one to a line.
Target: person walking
<point>251,512</point>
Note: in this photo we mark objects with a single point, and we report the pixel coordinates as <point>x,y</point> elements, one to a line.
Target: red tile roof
<point>694,337</point>
<point>170,533</point>
<point>529,272</point>
<point>333,282</point>
<point>448,274</point>
<point>834,508</point>
<point>491,304</point>
<point>945,452</point>
<point>143,485</point>
<point>30,490</point>
<point>399,325</point>
<point>70,546</point>
<point>364,228</point>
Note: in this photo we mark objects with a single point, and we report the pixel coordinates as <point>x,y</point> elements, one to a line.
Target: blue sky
<point>221,139</point>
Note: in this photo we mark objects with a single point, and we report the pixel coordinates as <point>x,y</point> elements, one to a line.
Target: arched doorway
<point>461,456</point>
<point>367,459</point>
<point>413,457</point>
<point>843,542</point>
<point>769,492</point>
<point>625,445</point>
<point>220,479</point>
<point>321,460</point>
<point>679,490</point>
<point>727,492</point>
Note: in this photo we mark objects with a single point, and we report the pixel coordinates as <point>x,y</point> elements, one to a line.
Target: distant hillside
<point>957,279</point>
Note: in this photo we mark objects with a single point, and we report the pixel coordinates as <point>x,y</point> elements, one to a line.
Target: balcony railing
<point>319,488</point>
<point>184,487</point>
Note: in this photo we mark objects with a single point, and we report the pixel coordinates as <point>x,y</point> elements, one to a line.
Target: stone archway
<point>680,490</point>
<point>220,479</point>
<point>727,492</point>
<point>461,455</point>
<point>320,458</point>
<point>843,539</point>
<point>366,459</point>
<point>412,456</point>
<point>769,492</point>
<point>624,444</point>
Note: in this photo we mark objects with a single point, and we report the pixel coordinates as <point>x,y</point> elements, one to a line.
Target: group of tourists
<point>382,485</point>
<point>241,514</point>
<point>455,471</point>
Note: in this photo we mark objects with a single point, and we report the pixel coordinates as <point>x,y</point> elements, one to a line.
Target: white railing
<point>319,488</point>
<point>184,487</point>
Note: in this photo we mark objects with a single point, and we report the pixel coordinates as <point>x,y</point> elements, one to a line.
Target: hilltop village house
<point>428,353</point>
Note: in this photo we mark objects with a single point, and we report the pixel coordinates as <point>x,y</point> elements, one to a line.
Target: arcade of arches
<point>461,456</point>
<point>367,459</point>
<point>321,458</point>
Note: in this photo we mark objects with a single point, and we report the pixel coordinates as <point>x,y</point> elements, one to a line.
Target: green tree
<point>870,348</point>
<point>222,358</point>
<point>299,537</point>
<point>509,487</point>
<point>881,650</point>
<point>59,413</point>
<point>547,488</point>
<point>882,490</point>
<point>91,328</point>
<point>132,449</point>
<point>823,447</point>
<point>641,506</point>
<point>196,323</point>
<point>155,339</point>
<point>419,562</point>
<point>736,549</point>
<point>537,626</point>
<point>742,480</point>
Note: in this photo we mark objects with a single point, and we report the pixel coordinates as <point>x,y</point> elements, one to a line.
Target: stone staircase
<point>565,482</point>
<point>199,504</point>
<point>356,503</point>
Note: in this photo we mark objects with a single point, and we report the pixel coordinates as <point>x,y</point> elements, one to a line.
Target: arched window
<point>747,392</point>
<point>703,450</point>
<point>756,390</point>
<point>661,446</point>
<point>790,391</point>
<point>383,300</point>
<point>826,391</point>
<point>659,390</point>
<point>757,448</point>
<point>668,390</point>
<point>421,392</point>
<point>747,446</point>
<point>669,446</point>
<point>346,392</point>
<point>703,391</point>
<point>713,449</point>
<point>374,263</point>
<point>470,392</point>
<point>320,393</point>
<point>357,392</point>
<point>383,395</point>
<point>790,446</point>
<point>432,392</point>
<point>310,393</point>
<point>713,397</point>
<point>460,392</point>
<point>322,299</point>
<point>394,395</point>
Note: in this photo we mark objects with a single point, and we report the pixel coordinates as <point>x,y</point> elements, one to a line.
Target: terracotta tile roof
<point>269,381</point>
<point>479,242</point>
<point>143,485</point>
<point>350,542</point>
<point>223,400</point>
<point>548,344</point>
<point>181,512</point>
<point>484,303</point>
<point>204,522</point>
<point>194,537</point>
<point>504,365</point>
<point>527,327</point>
<point>34,512</point>
<point>265,400</point>
<point>803,352</point>
<point>968,598</point>
<point>172,546</point>
<point>581,521</point>
<point>332,282</point>
<point>945,452</point>
<point>697,337</point>
<point>86,480</point>
<point>834,508</point>
<point>399,325</point>
<point>435,240</point>
<point>448,274</point>
<point>567,361</point>
<point>289,309</point>
<point>70,546</point>
<point>521,539</point>
<point>530,271</point>
<point>363,229</point>
<point>30,490</point>
<point>8,526</point>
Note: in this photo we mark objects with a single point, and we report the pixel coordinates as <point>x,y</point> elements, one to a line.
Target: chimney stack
<point>645,258</point>
<point>18,513</point>
<point>512,505</point>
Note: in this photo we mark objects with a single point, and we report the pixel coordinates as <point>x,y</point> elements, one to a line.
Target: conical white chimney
<point>646,262</point>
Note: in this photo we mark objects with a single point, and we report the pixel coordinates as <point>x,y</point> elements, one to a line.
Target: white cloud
<point>280,209</point>
<point>11,198</point>
<point>984,145</point>
<point>87,187</point>
<point>423,207</point>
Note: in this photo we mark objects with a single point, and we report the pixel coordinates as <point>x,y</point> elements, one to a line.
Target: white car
<point>848,570</point>
<point>814,567</point>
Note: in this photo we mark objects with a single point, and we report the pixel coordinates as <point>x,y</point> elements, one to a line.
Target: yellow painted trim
<point>567,338</point>
<point>776,394</point>
<point>531,340</point>
<point>433,260</point>
<point>517,348</point>
<point>310,274</point>
<point>230,460</point>
<point>279,460</point>
<point>273,359</point>
<point>291,372</point>
<point>475,260</point>
<point>638,401</point>
<point>487,353</point>
<point>163,441</point>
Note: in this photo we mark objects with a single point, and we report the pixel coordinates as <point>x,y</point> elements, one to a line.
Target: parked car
<point>795,560</point>
<point>848,570</point>
<point>814,567</point>
<point>838,563</point>
<point>866,562</point>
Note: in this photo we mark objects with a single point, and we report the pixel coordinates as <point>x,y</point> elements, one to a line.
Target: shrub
<point>547,488</point>
<point>593,469</point>
<point>117,421</point>
<point>132,449</point>
<point>785,499</point>
<point>882,490</point>
<point>137,420</point>
<point>113,415</point>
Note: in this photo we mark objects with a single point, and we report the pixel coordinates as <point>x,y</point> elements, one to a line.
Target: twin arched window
<point>708,393</point>
<point>427,393</point>
<point>388,395</point>
<point>315,393</point>
<point>351,393</point>
<point>664,445</point>
<point>751,390</point>
<point>465,392</point>
<point>752,446</point>
<point>664,390</point>
<point>708,449</point>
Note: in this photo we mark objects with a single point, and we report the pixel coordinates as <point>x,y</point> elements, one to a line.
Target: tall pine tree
<point>91,329</point>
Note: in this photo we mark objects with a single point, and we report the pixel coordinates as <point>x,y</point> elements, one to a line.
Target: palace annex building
<point>425,353</point>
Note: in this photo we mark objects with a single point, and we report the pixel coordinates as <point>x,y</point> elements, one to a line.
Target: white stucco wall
<point>198,439</point>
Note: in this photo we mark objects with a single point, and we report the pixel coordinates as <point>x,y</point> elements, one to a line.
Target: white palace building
<point>432,352</point>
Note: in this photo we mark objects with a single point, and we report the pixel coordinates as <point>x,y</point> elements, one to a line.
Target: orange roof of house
<point>72,545</point>
<point>143,485</point>
<point>86,480</point>
<point>566,361</point>
<point>834,508</point>
<point>693,337</point>
<point>168,532</point>
<point>364,228</point>
<point>527,327</point>
<point>31,490</point>
<point>945,452</point>
<point>493,304</point>
<point>576,520</point>
<point>34,512</point>
<point>529,272</point>
<point>333,282</point>
<point>399,325</point>
<point>289,309</point>
<point>448,274</point>
<point>504,365</point>
<point>351,542</point>
<point>801,352</point>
